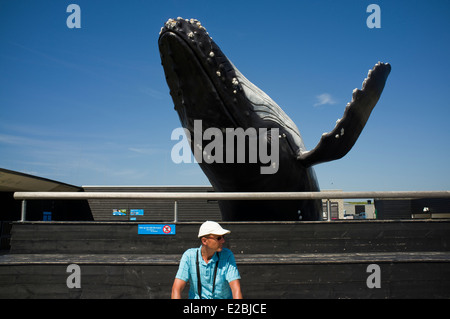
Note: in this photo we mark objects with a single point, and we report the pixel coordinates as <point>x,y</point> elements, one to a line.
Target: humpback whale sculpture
<point>206,86</point>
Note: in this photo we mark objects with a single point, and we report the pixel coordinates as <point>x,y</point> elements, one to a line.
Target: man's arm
<point>235,286</point>
<point>177,288</point>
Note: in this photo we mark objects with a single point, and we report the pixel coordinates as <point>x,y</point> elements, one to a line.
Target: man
<point>210,269</point>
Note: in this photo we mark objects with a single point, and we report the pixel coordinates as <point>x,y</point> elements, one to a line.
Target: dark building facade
<point>153,209</point>
<point>413,208</point>
<point>160,210</point>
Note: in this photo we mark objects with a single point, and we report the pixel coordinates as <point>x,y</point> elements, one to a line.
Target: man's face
<point>215,242</point>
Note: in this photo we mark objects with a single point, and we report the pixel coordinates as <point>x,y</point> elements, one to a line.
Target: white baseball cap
<point>212,228</point>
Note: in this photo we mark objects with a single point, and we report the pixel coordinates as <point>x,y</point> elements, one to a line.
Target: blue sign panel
<point>47,216</point>
<point>156,229</point>
<point>136,212</point>
<point>119,212</point>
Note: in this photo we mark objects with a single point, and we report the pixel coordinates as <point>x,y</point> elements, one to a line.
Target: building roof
<point>11,181</point>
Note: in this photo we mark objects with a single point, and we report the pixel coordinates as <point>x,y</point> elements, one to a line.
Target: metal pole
<point>24,211</point>
<point>175,212</point>
<point>229,195</point>
<point>329,210</point>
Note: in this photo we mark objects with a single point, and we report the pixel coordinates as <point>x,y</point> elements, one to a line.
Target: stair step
<point>249,259</point>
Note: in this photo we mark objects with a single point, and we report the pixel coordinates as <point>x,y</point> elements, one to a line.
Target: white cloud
<point>153,93</point>
<point>16,140</point>
<point>324,98</point>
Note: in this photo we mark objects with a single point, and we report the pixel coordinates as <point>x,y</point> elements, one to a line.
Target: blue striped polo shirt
<point>226,273</point>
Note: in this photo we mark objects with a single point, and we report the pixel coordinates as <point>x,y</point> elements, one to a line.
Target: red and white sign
<point>167,229</point>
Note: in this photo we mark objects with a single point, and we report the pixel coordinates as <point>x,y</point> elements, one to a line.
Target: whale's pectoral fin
<point>340,140</point>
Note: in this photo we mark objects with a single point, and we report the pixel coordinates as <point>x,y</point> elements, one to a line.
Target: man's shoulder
<point>226,252</point>
<point>190,252</point>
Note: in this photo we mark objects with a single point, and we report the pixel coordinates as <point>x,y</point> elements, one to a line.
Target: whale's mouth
<point>195,77</point>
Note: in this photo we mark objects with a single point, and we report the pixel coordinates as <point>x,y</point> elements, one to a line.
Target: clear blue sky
<point>90,106</point>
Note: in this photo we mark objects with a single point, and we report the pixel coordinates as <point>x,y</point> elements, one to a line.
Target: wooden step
<point>246,237</point>
<point>402,275</point>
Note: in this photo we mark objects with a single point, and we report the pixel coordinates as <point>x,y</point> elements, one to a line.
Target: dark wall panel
<point>154,210</point>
